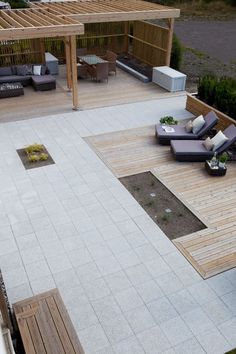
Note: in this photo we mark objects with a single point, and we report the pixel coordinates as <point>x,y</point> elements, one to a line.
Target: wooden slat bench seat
<point>45,325</point>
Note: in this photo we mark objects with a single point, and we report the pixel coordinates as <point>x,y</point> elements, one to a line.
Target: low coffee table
<point>215,171</point>
<point>11,90</point>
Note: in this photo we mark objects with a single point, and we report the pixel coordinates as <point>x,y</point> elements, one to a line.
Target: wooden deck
<point>212,199</point>
<point>120,89</point>
<point>45,325</point>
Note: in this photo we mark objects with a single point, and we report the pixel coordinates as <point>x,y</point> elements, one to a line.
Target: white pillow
<point>37,70</point>
<point>218,140</point>
<point>198,124</point>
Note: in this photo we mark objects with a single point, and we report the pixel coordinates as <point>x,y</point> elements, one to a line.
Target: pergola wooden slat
<point>67,19</point>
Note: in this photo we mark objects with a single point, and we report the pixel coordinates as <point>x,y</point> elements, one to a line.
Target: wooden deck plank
<point>210,251</point>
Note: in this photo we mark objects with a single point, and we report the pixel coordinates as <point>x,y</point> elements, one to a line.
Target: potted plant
<point>168,120</point>
<point>222,159</point>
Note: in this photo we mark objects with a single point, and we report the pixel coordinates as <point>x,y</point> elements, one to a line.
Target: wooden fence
<point>149,43</point>
<point>197,107</point>
<point>146,41</point>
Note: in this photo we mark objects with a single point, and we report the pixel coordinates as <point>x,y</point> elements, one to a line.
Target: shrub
<point>169,120</point>
<point>33,158</point>
<point>176,53</point>
<point>18,4</point>
<point>206,88</point>
<point>43,156</point>
<point>34,148</point>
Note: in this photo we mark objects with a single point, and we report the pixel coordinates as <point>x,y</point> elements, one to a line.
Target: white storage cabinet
<point>170,79</point>
<point>52,63</point>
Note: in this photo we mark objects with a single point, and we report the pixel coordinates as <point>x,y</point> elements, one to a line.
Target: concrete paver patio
<point>72,225</point>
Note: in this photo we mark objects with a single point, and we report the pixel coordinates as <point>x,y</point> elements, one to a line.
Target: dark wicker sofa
<point>24,75</point>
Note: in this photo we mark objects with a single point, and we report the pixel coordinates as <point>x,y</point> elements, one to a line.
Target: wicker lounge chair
<point>99,71</point>
<point>111,58</point>
<point>194,150</point>
<point>180,133</point>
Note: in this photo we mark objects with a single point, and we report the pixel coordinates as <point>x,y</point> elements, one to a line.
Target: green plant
<point>207,88</point>
<point>34,148</point>
<point>33,158</point>
<point>149,204</point>
<point>223,157</point>
<point>18,4</point>
<point>176,53</point>
<point>43,156</point>
<point>168,120</point>
<point>165,217</point>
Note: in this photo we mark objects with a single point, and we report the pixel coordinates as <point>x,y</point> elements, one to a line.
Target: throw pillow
<point>37,70</point>
<point>29,69</point>
<point>208,144</point>
<point>189,126</point>
<point>5,71</point>
<point>198,124</point>
<point>218,140</point>
<point>21,70</point>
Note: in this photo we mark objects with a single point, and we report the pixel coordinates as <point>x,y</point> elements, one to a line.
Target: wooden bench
<point>45,325</point>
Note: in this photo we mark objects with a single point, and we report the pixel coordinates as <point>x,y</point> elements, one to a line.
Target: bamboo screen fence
<point>145,41</point>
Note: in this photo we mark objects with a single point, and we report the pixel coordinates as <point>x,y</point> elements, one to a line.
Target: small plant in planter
<point>223,158</point>
<point>168,120</point>
<point>34,148</point>
<point>33,158</point>
<point>43,156</point>
<point>35,153</point>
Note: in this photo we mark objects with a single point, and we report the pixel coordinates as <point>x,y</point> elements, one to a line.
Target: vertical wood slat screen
<point>156,36</point>
<point>19,52</point>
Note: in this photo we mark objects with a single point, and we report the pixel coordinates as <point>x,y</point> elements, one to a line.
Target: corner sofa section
<point>24,75</point>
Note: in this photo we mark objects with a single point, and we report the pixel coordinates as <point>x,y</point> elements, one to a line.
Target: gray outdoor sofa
<point>180,133</point>
<point>19,73</point>
<point>194,150</point>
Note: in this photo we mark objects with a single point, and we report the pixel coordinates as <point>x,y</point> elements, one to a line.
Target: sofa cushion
<point>37,70</point>
<point>5,71</point>
<point>24,80</point>
<point>198,123</point>
<point>218,140</point>
<point>43,79</point>
<point>208,144</point>
<point>21,70</point>
<point>189,126</point>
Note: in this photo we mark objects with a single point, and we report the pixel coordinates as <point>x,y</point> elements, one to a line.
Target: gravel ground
<point>211,48</point>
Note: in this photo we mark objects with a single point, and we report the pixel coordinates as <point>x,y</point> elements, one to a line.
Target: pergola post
<point>68,63</point>
<point>126,40</point>
<point>42,49</point>
<point>169,40</point>
<point>74,71</point>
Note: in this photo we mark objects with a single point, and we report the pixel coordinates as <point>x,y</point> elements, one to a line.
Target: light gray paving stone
<point>91,237</point>
<point>79,256</point>
<point>14,277</point>
<point>231,275</point>
<point>128,346</point>
<point>59,263</point>
<point>213,342</point>
<point>162,310</point>
<point>136,239</point>
<point>74,297</point>
<point>19,293</point>
<point>118,281</point>
<point>83,316</point>
<point>105,350</point>
<point>108,265</point>
<point>72,243</point>
<point>127,226</point>
<point>10,261</point>
<point>46,235</point>
<point>202,292</point>
<point>175,260</point>
<point>116,329</point>
<point>6,233</point>
<point>138,274</point>
<point>163,246</point>
<point>183,301</point>
<point>8,246</point>
<point>27,241</point>
<point>42,284</point>
<point>39,224</point>
<point>31,255</point>
<point>220,284</point>
<point>217,311</point>
<point>110,231</point>
<point>22,228</point>
<point>106,307</point>
<point>96,289</point>
<point>176,330</point>
<point>140,319</point>
<point>188,275</point>
<point>37,270</point>
<point>189,346</point>
<point>149,291</point>
<point>128,259</point>
<point>228,329</point>
<point>147,253</point>
<point>88,272</point>
<point>157,267</point>
<point>93,339</point>
<point>65,231</point>
<point>154,340</point>
<point>229,300</point>
<point>128,299</point>
<point>118,245</point>
<point>169,283</point>
<point>52,248</point>
<point>66,279</point>
<point>169,351</point>
<point>99,251</point>
<point>197,321</point>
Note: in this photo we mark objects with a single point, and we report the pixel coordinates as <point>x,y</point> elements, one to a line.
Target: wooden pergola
<point>67,19</point>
